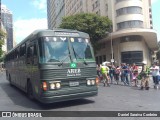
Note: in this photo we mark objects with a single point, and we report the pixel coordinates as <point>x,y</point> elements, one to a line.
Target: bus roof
<point>54,32</point>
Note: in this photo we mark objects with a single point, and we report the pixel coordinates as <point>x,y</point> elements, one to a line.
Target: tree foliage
<point>96,26</point>
<point>2,36</point>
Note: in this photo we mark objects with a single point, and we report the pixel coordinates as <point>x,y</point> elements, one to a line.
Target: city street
<point>114,98</point>
<point>54,50</point>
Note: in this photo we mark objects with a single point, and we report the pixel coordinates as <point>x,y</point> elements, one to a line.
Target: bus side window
<point>22,50</point>
<point>30,55</point>
<point>30,52</point>
<point>35,50</point>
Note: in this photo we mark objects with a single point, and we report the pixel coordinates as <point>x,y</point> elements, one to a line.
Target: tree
<point>2,36</point>
<point>96,26</point>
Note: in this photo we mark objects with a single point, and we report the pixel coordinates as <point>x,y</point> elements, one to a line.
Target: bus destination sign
<point>66,34</point>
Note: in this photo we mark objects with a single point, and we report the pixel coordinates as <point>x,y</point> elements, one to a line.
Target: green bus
<point>53,65</point>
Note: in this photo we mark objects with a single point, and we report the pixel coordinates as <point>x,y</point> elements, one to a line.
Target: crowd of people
<point>128,74</point>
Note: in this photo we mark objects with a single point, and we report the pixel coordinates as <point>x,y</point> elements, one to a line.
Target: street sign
<point>112,60</point>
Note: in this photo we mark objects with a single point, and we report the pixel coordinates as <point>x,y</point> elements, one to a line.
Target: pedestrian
<point>117,74</point>
<point>124,74</point>
<point>111,72</point>
<point>130,70</point>
<point>105,73</point>
<point>135,74</point>
<point>144,77</point>
<point>99,71</point>
<point>155,74</point>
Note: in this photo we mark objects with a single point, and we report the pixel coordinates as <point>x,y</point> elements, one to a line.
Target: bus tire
<point>30,90</point>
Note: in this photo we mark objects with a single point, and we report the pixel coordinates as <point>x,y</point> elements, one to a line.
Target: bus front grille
<point>62,73</point>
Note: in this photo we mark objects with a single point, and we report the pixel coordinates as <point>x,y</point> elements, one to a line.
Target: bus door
<point>32,62</point>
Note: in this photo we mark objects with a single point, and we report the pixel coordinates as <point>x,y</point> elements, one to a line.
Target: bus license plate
<point>72,84</point>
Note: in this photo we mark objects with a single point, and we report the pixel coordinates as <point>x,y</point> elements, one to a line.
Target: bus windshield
<point>56,49</point>
<point>81,49</point>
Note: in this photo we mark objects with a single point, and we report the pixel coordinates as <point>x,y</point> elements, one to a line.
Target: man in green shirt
<point>145,77</point>
<point>105,73</point>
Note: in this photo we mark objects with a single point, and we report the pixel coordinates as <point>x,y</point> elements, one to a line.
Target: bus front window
<point>54,49</point>
<point>82,49</point>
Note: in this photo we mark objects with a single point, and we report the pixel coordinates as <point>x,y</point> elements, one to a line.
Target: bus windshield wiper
<point>69,55</point>
<point>76,54</point>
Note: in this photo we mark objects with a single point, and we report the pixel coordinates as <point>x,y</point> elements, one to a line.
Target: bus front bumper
<point>60,98</point>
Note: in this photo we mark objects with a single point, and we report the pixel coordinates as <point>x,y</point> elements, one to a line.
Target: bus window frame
<point>23,50</point>
<point>31,58</point>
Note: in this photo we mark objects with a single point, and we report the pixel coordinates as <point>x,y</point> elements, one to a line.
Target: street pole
<point>111,49</point>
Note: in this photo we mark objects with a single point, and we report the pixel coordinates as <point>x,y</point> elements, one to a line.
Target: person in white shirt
<point>155,73</point>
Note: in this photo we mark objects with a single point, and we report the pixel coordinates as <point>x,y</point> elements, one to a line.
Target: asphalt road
<point>114,98</point>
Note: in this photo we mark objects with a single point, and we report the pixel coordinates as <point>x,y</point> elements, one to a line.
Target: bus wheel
<point>30,90</point>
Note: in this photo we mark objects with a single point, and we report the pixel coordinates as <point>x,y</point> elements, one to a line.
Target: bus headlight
<point>52,86</point>
<point>55,85</point>
<point>93,82</point>
<point>58,85</point>
<point>88,82</point>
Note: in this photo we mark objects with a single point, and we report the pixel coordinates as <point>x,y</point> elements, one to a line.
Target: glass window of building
<point>104,58</point>
<point>100,59</point>
<point>129,10</point>
<point>130,24</point>
<point>132,38</point>
<point>132,57</point>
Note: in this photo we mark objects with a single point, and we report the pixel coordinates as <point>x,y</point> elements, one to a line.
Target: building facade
<point>132,38</point>
<point>6,17</point>
<point>55,12</point>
